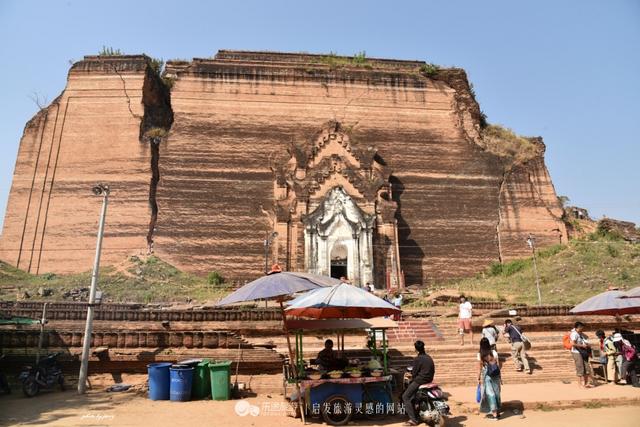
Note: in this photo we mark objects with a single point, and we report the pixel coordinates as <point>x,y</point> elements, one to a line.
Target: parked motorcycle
<point>429,402</point>
<point>44,376</point>
<point>4,384</point>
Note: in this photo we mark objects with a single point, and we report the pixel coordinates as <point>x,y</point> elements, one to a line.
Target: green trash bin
<point>200,386</point>
<point>220,380</point>
<point>201,380</point>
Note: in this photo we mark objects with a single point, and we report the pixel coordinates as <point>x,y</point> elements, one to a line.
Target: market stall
<point>363,386</point>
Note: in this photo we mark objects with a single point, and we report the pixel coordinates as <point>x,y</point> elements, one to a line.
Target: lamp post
<point>531,241</point>
<point>98,190</point>
<point>268,240</point>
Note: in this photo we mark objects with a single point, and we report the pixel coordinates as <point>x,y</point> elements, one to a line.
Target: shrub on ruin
<point>511,268</point>
<point>429,69</point>
<point>359,58</point>
<point>215,279</point>
<point>109,51</point>
<point>495,269</point>
<point>157,65</point>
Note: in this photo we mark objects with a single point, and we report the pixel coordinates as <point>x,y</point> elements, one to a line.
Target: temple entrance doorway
<point>339,268</point>
<point>339,256</point>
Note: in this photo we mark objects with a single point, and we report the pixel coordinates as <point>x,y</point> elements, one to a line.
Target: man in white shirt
<point>580,351</point>
<point>464,319</point>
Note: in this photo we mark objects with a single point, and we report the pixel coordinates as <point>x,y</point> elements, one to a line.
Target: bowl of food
<point>354,372</point>
<point>314,375</point>
<point>335,374</point>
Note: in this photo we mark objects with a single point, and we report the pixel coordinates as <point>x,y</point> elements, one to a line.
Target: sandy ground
<point>130,409</point>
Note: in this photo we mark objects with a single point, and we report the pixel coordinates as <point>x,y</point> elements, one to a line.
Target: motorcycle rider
<point>422,373</point>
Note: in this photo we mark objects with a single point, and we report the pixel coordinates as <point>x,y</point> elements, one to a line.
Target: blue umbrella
<point>340,301</point>
<point>277,285</point>
<point>632,293</point>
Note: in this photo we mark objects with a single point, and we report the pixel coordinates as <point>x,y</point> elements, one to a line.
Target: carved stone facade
<point>334,214</point>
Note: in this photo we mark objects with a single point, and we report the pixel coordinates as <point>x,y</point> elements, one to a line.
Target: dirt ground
<point>100,408</point>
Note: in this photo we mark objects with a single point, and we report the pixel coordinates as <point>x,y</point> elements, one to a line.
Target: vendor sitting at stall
<point>327,359</point>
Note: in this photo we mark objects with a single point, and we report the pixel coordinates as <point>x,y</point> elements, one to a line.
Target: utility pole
<point>98,190</point>
<point>531,241</point>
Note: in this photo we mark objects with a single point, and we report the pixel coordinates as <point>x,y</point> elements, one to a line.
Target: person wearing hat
<point>614,357</point>
<point>490,332</point>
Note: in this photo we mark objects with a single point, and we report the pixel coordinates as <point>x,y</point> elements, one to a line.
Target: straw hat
<point>617,337</point>
<point>487,322</point>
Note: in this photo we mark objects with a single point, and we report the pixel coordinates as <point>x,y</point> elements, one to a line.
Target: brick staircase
<point>408,331</point>
<point>455,365</point>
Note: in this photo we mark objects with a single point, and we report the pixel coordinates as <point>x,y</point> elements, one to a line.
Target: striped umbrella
<point>340,301</point>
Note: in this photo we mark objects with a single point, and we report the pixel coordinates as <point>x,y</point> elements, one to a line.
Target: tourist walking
<point>489,380</point>
<point>464,319</point>
<point>490,332</point>
<point>518,352</point>
<point>397,302</point>
<point>614,358</point>
<point>580,351</point>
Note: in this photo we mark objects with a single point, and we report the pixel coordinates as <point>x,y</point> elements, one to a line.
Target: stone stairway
<point>457,365</point>
<point>408,331</point>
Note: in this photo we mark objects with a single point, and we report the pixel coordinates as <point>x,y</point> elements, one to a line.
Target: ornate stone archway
<point>334,192</point>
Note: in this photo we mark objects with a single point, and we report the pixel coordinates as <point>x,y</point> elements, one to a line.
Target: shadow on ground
<point>39,410</point>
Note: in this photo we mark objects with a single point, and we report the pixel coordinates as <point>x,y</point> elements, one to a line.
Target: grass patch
<point>334,61</point>
<point>505,143</point>
<point>138,279</point>
<point>569,274</point>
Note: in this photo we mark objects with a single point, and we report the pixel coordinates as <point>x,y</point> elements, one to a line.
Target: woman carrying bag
<point>489,380</point>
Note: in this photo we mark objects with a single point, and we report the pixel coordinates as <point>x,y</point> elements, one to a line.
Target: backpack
<point>566,341</point>
<point>493,370</point>
<point>628,351</point>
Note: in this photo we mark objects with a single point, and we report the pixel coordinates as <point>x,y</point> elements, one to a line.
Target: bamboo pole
<point>291,361</point>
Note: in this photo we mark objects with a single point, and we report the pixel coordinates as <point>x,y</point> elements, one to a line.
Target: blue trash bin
<point>181,380</point>
<point>158,381</point>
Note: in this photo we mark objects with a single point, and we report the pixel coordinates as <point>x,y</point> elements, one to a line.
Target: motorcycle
<point>44,376</point>
<point>4,384</point>
<point>429,402</point>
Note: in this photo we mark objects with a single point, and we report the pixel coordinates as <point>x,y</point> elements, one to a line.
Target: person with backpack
<point>580,351</point>
<point>489,380</point>
<point>614,358</point>
<point>490,332</point>
<point>518,352</point>
<point>629,358</point>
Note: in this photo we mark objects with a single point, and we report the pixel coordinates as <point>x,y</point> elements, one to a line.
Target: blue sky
<point>568,71</point>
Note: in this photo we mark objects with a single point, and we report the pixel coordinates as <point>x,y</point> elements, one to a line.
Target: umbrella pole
<point>291,361</point>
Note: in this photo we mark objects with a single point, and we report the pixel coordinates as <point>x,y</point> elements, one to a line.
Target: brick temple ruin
<point>375,169</point>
